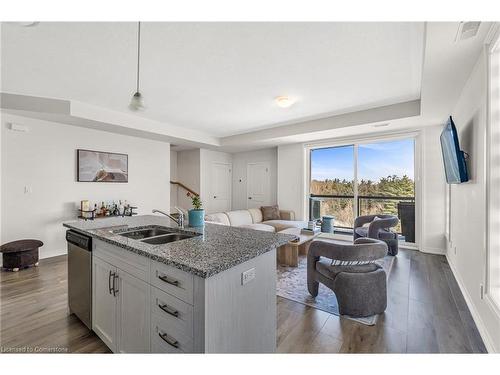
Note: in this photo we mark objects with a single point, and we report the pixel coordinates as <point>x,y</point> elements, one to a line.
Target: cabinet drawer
<point>134,264</point>
<point>167,339</point>
<point>177,313</point>
<point>173,281</point>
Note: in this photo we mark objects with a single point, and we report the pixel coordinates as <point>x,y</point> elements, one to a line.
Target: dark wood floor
<point>426,314</point>
<point>34,312</point>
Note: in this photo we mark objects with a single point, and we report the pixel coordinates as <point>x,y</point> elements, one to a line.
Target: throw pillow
<point>270,213</point>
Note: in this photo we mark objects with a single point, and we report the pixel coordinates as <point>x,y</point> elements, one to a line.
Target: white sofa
<point>252,219</point>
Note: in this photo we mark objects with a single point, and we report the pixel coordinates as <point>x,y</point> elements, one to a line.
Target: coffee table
<point>288,254</point>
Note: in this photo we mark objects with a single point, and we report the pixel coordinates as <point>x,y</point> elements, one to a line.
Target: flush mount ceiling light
<point>137,101</point>
<point>284,101</point>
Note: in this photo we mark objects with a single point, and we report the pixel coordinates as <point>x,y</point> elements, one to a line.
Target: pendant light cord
<point>138,52</point>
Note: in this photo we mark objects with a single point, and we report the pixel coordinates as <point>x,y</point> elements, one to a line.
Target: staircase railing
<point>184,187</point>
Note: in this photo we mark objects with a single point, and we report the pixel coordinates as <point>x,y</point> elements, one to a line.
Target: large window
<point>365,179</point>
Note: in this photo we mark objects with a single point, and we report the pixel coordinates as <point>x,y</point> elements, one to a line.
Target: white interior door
<point>221,187</point>
<point>258,184</point>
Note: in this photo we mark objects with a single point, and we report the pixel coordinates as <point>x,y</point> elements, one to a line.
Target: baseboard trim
<point>483,332</point>
<point>433,250</point>
<point>52,254</point>
<point>53,258</point>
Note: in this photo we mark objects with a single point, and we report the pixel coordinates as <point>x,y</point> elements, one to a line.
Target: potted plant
<point>196,215</point>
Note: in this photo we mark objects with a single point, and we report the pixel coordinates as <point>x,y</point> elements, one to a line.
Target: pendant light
<point>137,101</point>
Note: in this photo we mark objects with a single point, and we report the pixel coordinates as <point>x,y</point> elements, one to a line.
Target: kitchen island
<point>209,290</point>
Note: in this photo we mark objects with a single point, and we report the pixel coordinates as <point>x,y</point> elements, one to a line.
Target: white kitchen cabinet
<point>145,306</point>
<point>133,314</point>
<point>104,303</point>
<point>121,313</point>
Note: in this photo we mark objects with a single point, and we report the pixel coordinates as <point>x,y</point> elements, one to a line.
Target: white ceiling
<point>218,78</point>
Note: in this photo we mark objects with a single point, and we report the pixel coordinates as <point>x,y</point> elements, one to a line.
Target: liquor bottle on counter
<point>121,208</point>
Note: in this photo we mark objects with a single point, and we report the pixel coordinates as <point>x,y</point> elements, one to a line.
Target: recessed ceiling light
<point>284,101</point>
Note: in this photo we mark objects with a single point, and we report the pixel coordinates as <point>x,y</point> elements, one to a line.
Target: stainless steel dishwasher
<point>80,276</point>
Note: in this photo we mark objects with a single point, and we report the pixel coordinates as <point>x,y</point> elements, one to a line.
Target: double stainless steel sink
<point>157,235</point>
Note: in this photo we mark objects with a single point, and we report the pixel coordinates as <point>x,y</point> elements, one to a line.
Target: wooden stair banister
<point>184,187</point>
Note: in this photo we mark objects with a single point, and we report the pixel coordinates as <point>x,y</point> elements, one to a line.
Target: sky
<point>375,160</point>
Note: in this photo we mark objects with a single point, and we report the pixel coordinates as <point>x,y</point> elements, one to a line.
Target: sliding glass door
<point>332,184</point>
<point>365,179</point>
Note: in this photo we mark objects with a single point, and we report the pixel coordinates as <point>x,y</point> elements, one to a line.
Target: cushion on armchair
<point>376,218</point>
<point>324,267</point>
<point>270,213</point>
<point>383,234</point>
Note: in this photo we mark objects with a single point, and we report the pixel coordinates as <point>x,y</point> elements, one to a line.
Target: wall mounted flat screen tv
<point>454,159</point>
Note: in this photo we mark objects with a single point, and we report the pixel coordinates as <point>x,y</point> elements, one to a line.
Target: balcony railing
<point>343,208</point>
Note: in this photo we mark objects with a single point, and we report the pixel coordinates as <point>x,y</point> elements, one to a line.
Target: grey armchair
<point>361,289</point>
<point>378,229</point>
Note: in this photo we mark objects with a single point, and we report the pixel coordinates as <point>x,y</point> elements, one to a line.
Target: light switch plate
<point>19,128</point>
<point>247,276</point>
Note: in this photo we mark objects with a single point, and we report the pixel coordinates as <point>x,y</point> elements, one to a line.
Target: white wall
<point>240,162</point>
<point>433,191</point>
<point>494,176</point>
<point>292,179</point>
<point>189,173</point>
<point>45,160</point>
<point>467,248</point>
<point>207,158</point>
<point>173,177</point>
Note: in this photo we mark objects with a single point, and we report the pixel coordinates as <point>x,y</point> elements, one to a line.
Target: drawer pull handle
<point>169,280</point>
<point>169,310</point>
<point>110,288</point>
<point>168,340</point>
<point>115,291</point>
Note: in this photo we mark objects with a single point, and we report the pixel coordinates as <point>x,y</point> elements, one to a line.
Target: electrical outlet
<point>455,250</point>
<point>28,190</point>
<point>247,276</point>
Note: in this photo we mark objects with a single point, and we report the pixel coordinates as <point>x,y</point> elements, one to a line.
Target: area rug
<point>292,285</point>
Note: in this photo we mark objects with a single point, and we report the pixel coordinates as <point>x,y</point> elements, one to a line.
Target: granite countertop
<point>216,249</point>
